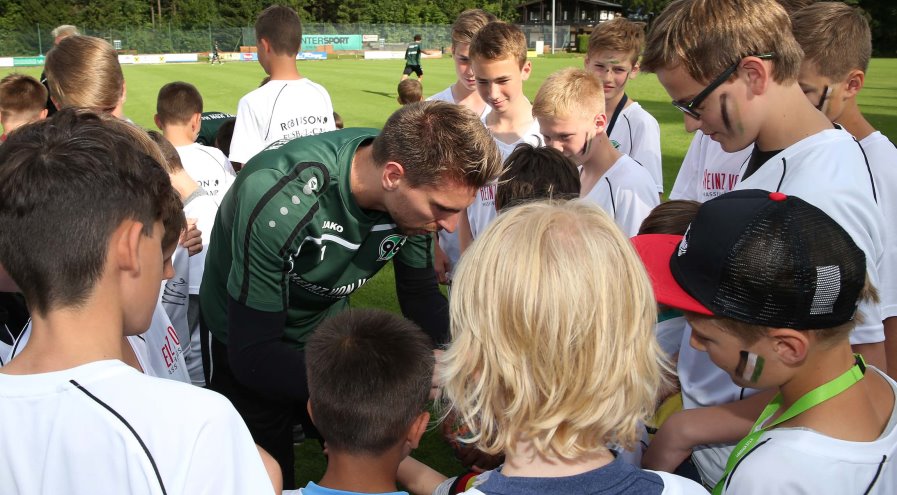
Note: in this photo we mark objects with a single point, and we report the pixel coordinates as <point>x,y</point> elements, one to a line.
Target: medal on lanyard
<point>809,400</point>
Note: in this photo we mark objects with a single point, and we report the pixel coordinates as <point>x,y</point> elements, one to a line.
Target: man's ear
<point>756,74</point>
<point>854,83</point>
<point>392,175</point>
<point>791,346</point>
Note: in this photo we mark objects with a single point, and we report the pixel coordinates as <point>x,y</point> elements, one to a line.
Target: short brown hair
<point>281,27</point>
<point>569,92</point>
<point>835,38</point>
<point>83,72</point>
<point>705,37</point>
<point>177,103</point>
<point>172,162</point>
<point>468,24</point>
<point>74,173</point>
<point>533,174</point>
<point>619,35</point>
<point>436,141</point>
<point>497,41</point>
<point>672,217</point>
<point>22,94</point>
<point>792,6</point>
<point>369,377</point>
<point>410,91</point>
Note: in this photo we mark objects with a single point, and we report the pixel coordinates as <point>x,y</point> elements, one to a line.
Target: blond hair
<point>437,141</point>
<point>498,41</point>
<point>64,30</point>
<point>619,35</point>
<point>468,24</point>
<point>83,72</point>
<point>705,37</point>
<point>553,341</point>
<point>835,38</point>
<point>569,92</point>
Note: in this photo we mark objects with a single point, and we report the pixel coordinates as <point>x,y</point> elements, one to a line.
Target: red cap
<point>656,251</point>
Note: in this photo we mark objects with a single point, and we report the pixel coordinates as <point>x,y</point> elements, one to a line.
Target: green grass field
<point>364,93</point>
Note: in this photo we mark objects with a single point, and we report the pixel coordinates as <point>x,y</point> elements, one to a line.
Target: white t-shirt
<point>829,171</point>
<point>103,427</point>
<point>638,135</point>
<point>882,157</point>
<point>203,208</point>
<point>279,110</point>
<point>800,461</point>
<point>627,193</point>
<point>448,241</point>
<point>707,171</point>
<point>208,167</point>
<point>482,211</point>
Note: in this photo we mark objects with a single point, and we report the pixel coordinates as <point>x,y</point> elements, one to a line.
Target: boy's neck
<point>823,366</point>
<point>467,98</point>
<point>524,462</point>
<point>179,134</point>
<point>511,124</point>
<point>283,68</point>
<point>853,121</point>
<point>362,473</point>
<point>610,106</point>
<point>790,118</point>
<point>71,337</point>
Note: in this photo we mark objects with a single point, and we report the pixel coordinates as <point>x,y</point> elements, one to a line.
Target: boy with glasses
<point>837,46</point>
<point>732,67</point>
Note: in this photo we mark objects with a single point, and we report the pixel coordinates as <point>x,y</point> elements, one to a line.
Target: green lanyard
<point>809,400</point>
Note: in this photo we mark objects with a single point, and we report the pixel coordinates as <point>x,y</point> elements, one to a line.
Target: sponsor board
<point>311,56</point>
<point>161,58</point>
<point>338,41</point>
<point>27,61</point>
<point>6,62</point>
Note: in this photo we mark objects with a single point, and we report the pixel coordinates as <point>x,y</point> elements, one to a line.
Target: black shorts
<point>413,68</point>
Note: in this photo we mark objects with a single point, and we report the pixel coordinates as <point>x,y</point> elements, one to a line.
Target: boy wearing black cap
<point>770,285</point>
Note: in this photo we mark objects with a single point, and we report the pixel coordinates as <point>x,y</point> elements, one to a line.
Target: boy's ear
<point>635,70</point>
<point>158,121</point>
<point>264,44</point>
<point>126,245</point>
<point>854,83</point>
<point>393,173</point>
<point>196,123</point>
<point>308,408</point>
<point>600,121</point>
<point>43,114</point>
<point>756,74</point>
<point>791,346</point>
<point>417,429</point>
<point>526,70</point>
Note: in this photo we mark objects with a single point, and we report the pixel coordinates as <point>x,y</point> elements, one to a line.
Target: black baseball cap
<point>760,258</point>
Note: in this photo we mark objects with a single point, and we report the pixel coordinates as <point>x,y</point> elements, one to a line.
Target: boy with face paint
<point>770,285</point>
<point>732,68</point>
<point>837,45</point>
<point>570,109</point>
<point>614,49</point>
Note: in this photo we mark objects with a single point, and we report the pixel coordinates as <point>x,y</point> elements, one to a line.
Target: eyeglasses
<point>826,92</point>
<point>689,108</point>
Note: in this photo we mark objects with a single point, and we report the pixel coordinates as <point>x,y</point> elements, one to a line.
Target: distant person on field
<point>22,101</point>
<point>570,109</point>
<point>614,49</point>
<point>58,34</point>
<point>463,92</point>
<point>216,56</point>
<point>369,377</point>
<point>410,91</point>
<point>179,116</point>
<point>837,46</point>
<point>287,107</point>
<point>412,58</point>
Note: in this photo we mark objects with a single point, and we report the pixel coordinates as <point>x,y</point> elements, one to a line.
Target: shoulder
<point>639,117</point>
<point>444,95</point>
<point>677,485</point>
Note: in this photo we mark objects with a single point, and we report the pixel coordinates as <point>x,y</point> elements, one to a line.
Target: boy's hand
<point>191,238</point>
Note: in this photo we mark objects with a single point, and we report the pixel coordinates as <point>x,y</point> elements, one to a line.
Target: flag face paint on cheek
<point>750,366</point>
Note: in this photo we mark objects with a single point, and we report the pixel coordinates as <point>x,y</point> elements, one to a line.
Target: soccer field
<point>364,94</point>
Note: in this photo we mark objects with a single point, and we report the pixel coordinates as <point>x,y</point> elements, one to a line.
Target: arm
<point>417,477</point>
<point>727,423</point>
<point>417,289</point>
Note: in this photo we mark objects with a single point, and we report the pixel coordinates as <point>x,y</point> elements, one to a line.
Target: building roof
<point>600,3</point>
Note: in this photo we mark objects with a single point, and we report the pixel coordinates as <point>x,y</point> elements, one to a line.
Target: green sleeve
<point>417,252</point>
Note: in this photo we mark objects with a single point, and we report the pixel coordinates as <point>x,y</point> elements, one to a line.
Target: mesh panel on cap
<point>793,267</point>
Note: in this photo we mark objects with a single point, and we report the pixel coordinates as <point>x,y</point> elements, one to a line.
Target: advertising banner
<point>338,41</point>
